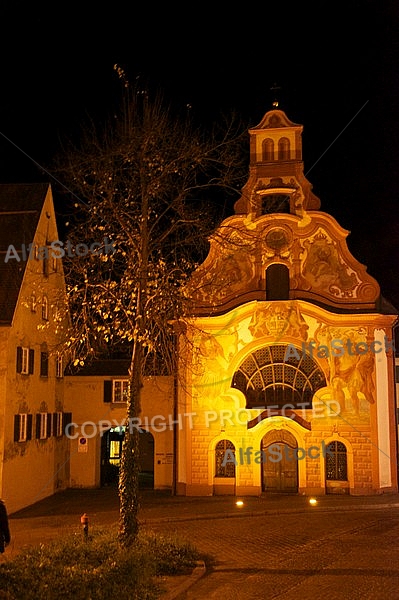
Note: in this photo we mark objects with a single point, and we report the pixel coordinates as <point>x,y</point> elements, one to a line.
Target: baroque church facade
<point>288,363</point>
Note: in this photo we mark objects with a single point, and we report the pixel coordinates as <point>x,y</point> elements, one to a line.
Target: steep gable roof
<point>20,209</point>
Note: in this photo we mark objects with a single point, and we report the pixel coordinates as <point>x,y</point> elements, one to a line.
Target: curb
<point>198,572</point>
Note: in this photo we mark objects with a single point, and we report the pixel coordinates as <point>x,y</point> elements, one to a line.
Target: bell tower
<point>276,181</point>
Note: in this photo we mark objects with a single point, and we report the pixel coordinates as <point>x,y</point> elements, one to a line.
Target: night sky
<point>337,65</point>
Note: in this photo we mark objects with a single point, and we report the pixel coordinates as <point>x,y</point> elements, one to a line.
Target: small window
<point>120,390</point>
<point>336,462</point>
<point>45,257</point>
<point>33,302</point>
<point>25,360</point>
<point>41,426</point>
<point>45,308</point>
<point>57,424</point>
<point>225,459</point>
<point>59,366</point>
<point>22,427</point>
<point>44,363</point>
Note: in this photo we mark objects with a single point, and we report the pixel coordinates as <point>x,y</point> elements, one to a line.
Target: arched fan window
<point>268,379</point>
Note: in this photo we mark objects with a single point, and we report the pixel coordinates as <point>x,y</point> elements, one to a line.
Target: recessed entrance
<point>280,463</point>
<point>111,453</point>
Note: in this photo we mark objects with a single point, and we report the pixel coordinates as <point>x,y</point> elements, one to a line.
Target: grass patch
<point>95,569</point>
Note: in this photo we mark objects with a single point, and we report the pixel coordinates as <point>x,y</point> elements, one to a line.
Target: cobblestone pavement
<point>273,547</point>
<point>336,555</point>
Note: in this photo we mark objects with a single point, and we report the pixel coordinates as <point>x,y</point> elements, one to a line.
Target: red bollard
<point>84,519</point>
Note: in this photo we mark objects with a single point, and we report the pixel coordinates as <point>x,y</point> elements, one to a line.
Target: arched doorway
<point>279,462</point>
<point>111,453</point>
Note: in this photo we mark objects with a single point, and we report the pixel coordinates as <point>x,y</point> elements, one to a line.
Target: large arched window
<point>336,462</point>
<point>225,459</point>
<point>274,376</point>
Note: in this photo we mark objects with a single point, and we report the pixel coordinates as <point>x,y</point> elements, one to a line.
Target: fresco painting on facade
<point>324,335</point>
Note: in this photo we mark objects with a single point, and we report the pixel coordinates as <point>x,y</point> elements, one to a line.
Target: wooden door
<point>281,473</point>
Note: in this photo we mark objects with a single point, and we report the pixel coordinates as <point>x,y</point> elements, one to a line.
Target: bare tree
<point>147,185</point>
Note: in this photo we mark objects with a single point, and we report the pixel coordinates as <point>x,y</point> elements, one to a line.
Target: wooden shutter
<point>19,359</point>
<point>31,360</point>
<point>107,391</point>
<point>49,425</point>
<point>43,364</point>
<point>17,419</point>
<point>54,424</point>
<point>38,425</point>
<point>29,426</point>
<point>66,420</point>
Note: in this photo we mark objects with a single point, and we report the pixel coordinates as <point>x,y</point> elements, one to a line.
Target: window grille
<point>336,462</point>
<point>224,453</point>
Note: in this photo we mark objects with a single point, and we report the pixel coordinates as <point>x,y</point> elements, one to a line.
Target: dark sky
<point>337,64</point>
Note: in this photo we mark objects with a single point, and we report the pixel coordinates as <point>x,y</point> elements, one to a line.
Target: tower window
<point>275,203</point>
<point>277,282</point>
<point>268,150</point>
<point>284,149</point>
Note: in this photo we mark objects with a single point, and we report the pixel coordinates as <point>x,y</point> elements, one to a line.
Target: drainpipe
<point>175,413</point>
<point>395,328</point>
<point>175,432</point>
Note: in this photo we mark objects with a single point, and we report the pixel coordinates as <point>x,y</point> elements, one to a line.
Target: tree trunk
<point>129,475</point>
<point>129,468</point>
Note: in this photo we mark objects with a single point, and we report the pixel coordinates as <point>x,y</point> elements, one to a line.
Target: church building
<point>286,380</point>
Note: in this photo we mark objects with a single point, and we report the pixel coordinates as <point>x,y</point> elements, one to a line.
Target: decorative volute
<point>276,181</point>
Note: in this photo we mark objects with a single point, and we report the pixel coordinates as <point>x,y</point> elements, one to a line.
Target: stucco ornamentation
<point>278,320</point>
